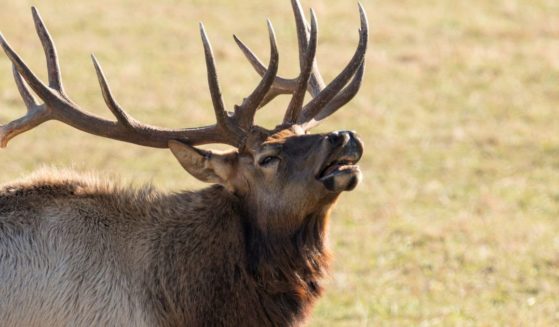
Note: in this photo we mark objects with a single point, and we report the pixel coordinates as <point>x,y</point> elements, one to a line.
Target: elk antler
<point>326,99</point>
<point>229,129</point>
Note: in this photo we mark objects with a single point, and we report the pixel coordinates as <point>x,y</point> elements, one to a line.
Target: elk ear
<point>207,166</point>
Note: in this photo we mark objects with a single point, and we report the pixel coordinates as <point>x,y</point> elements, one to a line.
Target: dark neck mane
<point>259,278</point>
<point>288,268</point>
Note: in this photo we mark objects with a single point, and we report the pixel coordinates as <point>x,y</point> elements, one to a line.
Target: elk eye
<point>266,161</point>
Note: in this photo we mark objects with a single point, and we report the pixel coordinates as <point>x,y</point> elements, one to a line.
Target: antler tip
<point>204,36</point>
<point>96,65</point>
<point>363,16</point>
<point>270,27</point>
<point>314,22</point>
<point>312,12</point>
<point>296,4</point>
<point>272,34</point>
<point>35,13</point>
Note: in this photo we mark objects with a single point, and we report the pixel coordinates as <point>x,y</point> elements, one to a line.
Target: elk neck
<point>283,267</point>
<point>286,253</point>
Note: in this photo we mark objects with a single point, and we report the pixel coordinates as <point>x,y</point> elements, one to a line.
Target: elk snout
<point>340,172</point>
<point>347,141</point>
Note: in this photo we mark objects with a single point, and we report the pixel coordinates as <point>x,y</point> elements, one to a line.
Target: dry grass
<point>456,222</point>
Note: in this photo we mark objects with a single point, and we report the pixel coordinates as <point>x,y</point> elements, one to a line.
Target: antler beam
<point>230,128</point>
<point>57,105</point>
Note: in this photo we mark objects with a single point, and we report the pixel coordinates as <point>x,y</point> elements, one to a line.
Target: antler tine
<point>302,27</point>
<point>296,103</point>
<point>284,85</point>
<point>340,100</point>
<point>221,114</point>
<point>250,104</point>
<point>53,66</point>
<point>36,114</point>
<point>316,83</point>
<point>32,80</point>
<point>110,101</point>
<point>280,85</point>
<point>317,104</point>
<point>24,91</point>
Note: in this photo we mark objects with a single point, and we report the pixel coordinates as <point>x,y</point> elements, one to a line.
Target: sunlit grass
<point>456,221</point>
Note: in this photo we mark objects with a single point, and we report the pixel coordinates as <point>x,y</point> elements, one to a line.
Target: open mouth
<point>340,171</point>
<point>339,165</point>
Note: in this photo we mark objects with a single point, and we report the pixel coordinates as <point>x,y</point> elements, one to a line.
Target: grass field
<point>456,222</point>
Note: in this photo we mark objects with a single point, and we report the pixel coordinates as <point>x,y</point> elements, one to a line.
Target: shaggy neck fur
<point>278,274</point>
<point>288,267</point>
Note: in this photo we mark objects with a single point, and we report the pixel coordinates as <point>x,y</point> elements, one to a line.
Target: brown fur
<point>184,259</point>
<point>248,251</point>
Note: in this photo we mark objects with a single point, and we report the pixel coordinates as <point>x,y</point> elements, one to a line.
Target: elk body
<point>248,251</point>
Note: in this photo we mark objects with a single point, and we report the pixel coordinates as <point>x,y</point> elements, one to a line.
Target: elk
<point>249,250</point>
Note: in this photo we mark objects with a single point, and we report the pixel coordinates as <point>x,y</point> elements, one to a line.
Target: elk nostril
<point>346,136</point>
<point>339,138</point>
<point>333,138</point>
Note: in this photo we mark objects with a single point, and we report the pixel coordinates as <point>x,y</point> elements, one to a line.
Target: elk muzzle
<point>340,171</point>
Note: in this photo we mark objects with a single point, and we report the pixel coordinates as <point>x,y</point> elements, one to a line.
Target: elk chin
<point>341,178</point>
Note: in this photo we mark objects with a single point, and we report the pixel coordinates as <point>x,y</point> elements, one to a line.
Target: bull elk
<point>247,251</point>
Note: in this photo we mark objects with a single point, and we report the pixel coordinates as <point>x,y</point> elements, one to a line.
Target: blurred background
<point>456,222</point>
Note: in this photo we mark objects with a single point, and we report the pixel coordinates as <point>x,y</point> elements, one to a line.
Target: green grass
<point>456,220</point>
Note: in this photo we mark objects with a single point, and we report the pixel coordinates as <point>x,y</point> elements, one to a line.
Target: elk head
<point>284,169</point>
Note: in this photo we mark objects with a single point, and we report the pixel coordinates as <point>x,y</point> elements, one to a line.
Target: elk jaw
<point>340,171</point>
